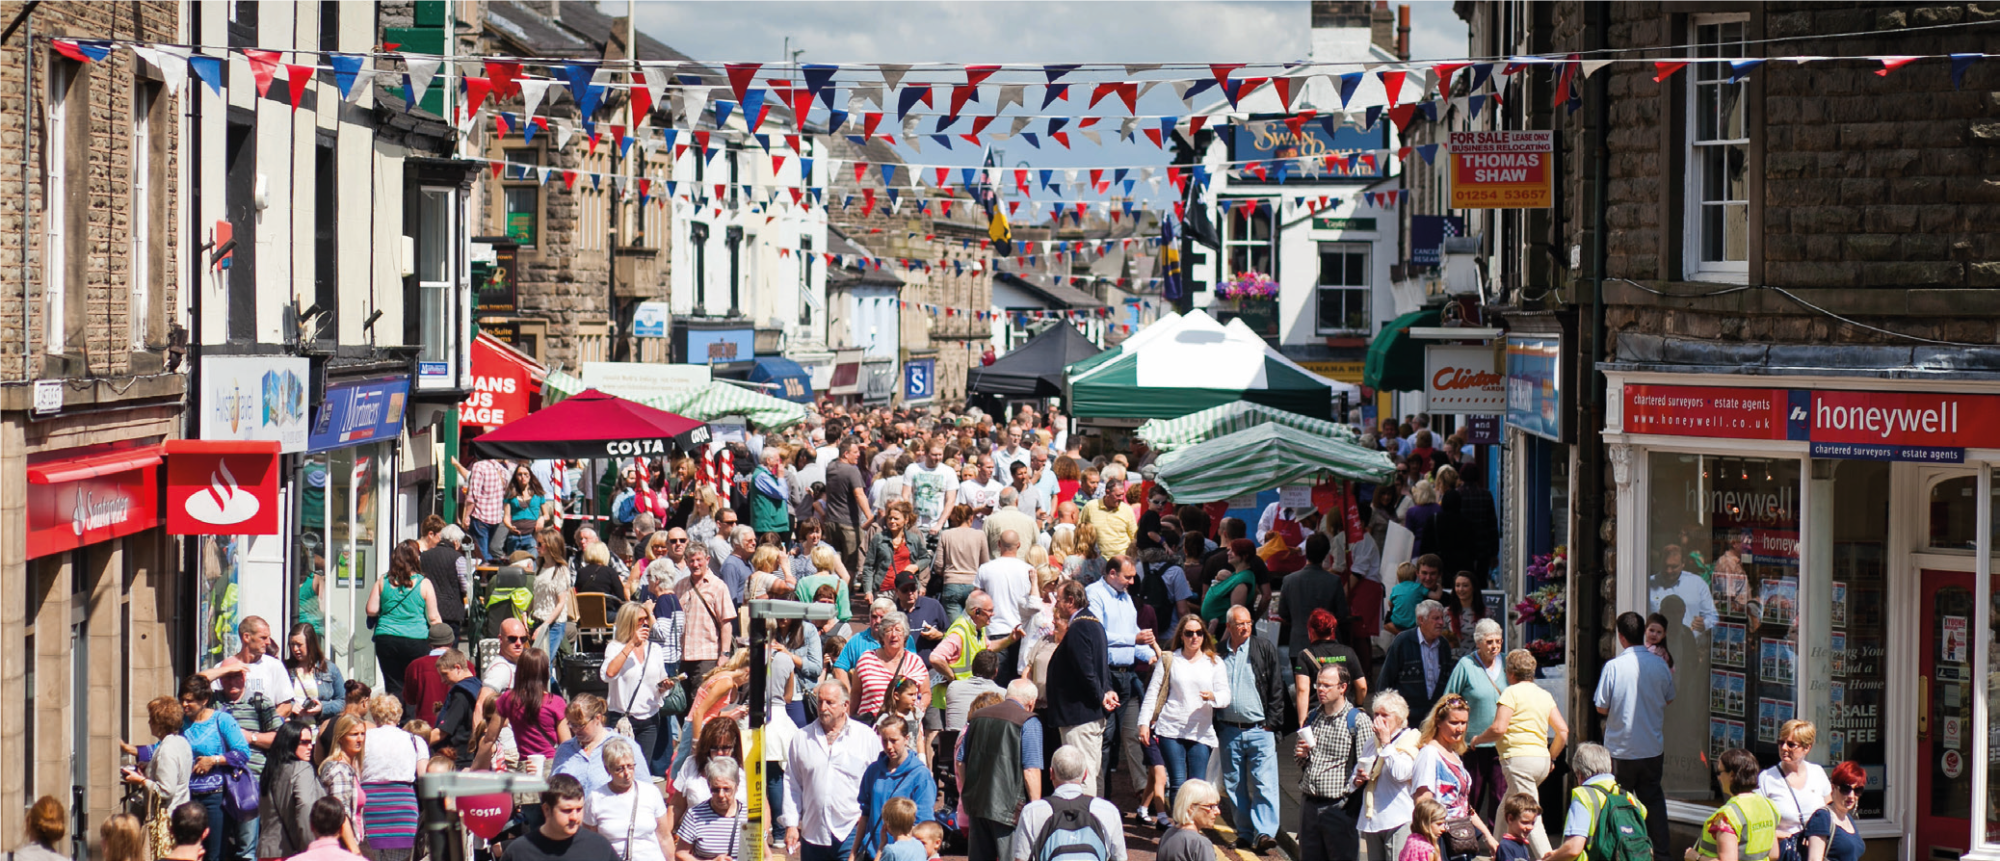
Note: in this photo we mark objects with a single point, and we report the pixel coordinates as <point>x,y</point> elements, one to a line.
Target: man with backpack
<point>1332,769</point>
<point>1605,822</point>
<point>1069,825</point>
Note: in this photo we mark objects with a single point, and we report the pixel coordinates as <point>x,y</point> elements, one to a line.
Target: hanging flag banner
<point>1502,170</point>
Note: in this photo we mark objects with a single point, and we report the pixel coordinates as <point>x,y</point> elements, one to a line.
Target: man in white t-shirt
<point>497,678</point>
<point>1011,584</point>
<point>262,671</point>
<point>1012,453</point>
<point>982,492</point>
<point>931,487</point>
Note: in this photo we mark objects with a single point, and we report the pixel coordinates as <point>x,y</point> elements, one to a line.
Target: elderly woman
<point>636,677</point>
<point>582,756</point>
<point>877,671</point>
<point>828,570</point>
<point>1188,686</point>
<point>289,790</point>
<point>1386,806</point>
<point>1741,829</point>
<point>1196,807</point>
<point>719,741</point>
<point>1478,677</point>
<point>389,781</point>
<point>1441,773</point>
<point>1528,732</point>
<point>1794,786</point>
<point>169,762</point>
<point>629,810</point>
<point>714,829</point>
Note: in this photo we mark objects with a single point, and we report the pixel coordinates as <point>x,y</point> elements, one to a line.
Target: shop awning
<point>1165,435</point>
<point>716,401</point>
<point>593,424</point>
<point>789,380</point>
<point>1396,360</point>
<point>80,468</point>
<point>1261,458</point>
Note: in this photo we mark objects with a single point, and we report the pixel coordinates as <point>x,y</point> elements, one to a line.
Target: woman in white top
<point>635,672</point>
<point>554,592</point>
<point>172,761</point>
<point>391,761</point>
<point>1386,804</point>
<point>1179,708</point>
<point>1794,786</point>
<point>630,813</point>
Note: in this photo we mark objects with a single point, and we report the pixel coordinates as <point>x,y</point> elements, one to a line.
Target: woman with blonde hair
<point>340,771</point>
<point>1384,823</point>
<point>767,566</point>
<point>1083,564</point>
<point>1189,685</point>
<point>636,680</point>
<point>1196,807</point>
<point>1441,773</point>
<point>582,756</point>
<point>1422,513</point>
<point>828,570</point>
<point>554,593</point>
<point>123,838</point>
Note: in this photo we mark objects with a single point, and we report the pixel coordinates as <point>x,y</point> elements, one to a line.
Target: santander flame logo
<point>223,502</point>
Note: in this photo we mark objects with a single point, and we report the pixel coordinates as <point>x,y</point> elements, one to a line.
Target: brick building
<point>1757,343</point>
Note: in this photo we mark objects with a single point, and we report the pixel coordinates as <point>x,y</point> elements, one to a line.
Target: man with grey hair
<point>1006,740</point>
<point>1116,524</point>
<point>1246,730</point>
<point>1591,764</point>
<point>1011,584</point>
<point>1418,660</point>
<point>1070,768</point>
<point>823,768</point>
<point>1009,517</point>
<point>736,569</point>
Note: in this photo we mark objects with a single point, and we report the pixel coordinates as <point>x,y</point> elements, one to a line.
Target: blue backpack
<point>1072,833</point>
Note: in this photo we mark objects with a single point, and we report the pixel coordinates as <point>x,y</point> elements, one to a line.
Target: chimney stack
<point>1382,25</point>
<point>1403,32</point>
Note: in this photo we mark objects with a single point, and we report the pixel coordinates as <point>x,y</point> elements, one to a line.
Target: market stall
<point>1185,364</point>
<point>1263,457</point>
<point>1034,369</point>
<point>1165,435</point>
<point>592,424</point>
<point>709,402</point>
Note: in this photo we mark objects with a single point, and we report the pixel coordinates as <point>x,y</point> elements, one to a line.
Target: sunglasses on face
<point>516,639</point>
<point>677,541</point>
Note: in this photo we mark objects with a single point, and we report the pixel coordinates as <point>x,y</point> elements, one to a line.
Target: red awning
<point>593,424</point>
<point>505,352</point>
<point>78,469</point>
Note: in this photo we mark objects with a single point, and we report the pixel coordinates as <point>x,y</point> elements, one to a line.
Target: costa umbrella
<point>591,423</point>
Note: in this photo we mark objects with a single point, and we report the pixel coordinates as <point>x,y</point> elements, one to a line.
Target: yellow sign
<point>1502,170</point>
<point>1346,372</point>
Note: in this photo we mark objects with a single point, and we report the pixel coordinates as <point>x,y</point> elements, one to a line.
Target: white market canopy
<point>1261,458</point>
<point>1188,363</point>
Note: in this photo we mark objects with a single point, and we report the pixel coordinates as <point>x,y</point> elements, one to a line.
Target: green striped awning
<point>716,401</point>
<point>1166,435</point>
<point>1263,457</point>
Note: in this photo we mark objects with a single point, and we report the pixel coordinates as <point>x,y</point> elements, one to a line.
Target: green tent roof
<point>1395,360</point>
<point>715,401</point>
<point>1166,435</point>
<point>1263,457</point>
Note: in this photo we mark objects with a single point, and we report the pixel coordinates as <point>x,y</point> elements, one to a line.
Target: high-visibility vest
<point>972,641</point>
<point>1755,822</point>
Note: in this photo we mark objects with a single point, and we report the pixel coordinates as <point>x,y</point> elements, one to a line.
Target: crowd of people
<point>1022,636</point>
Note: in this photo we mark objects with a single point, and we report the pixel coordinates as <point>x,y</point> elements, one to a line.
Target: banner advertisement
<point>1848,425</point>
<point>1502,170</point>
<point>255,398</point>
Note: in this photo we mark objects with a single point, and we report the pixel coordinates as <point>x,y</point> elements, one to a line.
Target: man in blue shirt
<point>1129,648</point>
<point>1246,731</point>
<point>1632,694</point>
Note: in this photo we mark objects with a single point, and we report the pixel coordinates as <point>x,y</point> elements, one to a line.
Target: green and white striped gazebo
<point>716,401</point>
<point>1263,457</point>
<point>1165,435</point>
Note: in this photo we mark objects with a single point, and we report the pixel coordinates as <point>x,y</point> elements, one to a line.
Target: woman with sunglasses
<point>1829,833</point>
<point>290,787</point>
<point>1187,688</point>
<point>1441,773</point>
<point>1197,805</point>
<point>1745,827</point>
<point>1795,786</point>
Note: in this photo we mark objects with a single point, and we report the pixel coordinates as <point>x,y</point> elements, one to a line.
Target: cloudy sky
<point>974,31</point>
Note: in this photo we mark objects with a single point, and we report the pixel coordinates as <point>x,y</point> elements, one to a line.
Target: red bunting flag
<point>263,68</point>
<point>1890,64</point>
<point>976,75</point>
<point>297,78</point>
<point>1284,88</point>
<point>503,76</point>
<point>1296,122</point>
<point>860,168</point>
<point>496,166</point>
<point>1392,84</point>
<point>1401,115</point>
<point>1444,72</point>
<point>777,163</point>
<point>869,120</point>
<point>1195,123</point>
<point>476,90</point>
<point>1222,70</point>
<point>740,76</point>
<point>569,179</point>
<point>1665,69</point>
<point>642,98</point>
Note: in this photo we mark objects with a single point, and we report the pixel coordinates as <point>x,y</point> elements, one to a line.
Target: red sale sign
<point>1710,411</point>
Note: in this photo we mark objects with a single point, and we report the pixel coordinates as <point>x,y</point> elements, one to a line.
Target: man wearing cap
<point>424,689</point>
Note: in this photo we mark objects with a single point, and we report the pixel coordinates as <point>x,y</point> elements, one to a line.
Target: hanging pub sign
<point>1462,380</point>
<point>1271,152</point>
<point>494,280</point>
<point>222,487</point>
<point>1502,170</point>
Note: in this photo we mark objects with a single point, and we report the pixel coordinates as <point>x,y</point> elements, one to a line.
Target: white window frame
<point>1366,288</point>
<point>1693,205</point>
<point>139,310</point>
<point>436,268</point>
<point>55,284</point>
<point>1267,209</point>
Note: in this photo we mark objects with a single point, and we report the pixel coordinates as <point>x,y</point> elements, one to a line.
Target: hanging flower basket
<point>1248,286</point>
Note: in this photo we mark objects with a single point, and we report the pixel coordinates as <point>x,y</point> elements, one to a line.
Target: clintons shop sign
<point>1913,426</point>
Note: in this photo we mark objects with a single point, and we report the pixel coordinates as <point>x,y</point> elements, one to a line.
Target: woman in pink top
<point>535,714</point>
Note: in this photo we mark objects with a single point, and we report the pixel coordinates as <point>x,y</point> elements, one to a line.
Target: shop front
<point>347,473</point>
<point>248,399</point>
<point>1821,548</point>
<point>1539,467</point>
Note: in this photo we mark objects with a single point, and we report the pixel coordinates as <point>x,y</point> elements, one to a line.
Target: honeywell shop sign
<point>1921,427</point>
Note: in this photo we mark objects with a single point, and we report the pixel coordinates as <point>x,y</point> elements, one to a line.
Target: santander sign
<point>222,487</point>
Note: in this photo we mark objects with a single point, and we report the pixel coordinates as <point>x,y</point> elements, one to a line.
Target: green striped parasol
<point>1263,457</point>
<point>1166,435</point>
<point>715,401</point>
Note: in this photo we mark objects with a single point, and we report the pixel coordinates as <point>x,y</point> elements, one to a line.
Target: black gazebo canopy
<point>1034,369</point>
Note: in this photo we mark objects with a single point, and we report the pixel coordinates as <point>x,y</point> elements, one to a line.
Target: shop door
<point>1944,717</point>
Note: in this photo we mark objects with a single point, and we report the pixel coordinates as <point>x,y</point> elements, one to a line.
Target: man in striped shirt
<point>485,501</point>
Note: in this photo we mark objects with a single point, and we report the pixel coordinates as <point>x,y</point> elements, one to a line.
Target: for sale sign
<point>1502,170</point>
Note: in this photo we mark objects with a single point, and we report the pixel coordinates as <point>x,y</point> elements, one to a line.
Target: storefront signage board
<point>65,515</point>
<point>222,488</point>
<point>1534,385</point>
<point>1303,156</point>
<point>1482,430</point>
<point>255,398</point>
<point>1919,427</point>
<point>500,386</point>
<point>641,380</point>
<point>919,380</point>
<point>650,319</point>
<point>714,347</point>
<point>1461,380</point>
<point>359,412</point>
<point>1330,223</point>
<point>1502,169</point>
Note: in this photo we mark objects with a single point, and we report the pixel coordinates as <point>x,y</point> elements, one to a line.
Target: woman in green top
<point>827,571</point>
<point>404,606</point>
<point>1233,590</point>
<point>1479,677</point>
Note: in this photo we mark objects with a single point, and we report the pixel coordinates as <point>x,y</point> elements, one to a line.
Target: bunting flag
<point>1349,82</point>
<point>263,69</point>
<point>82,50</point>
<point>532,93</point>
<point>1392,84</point>
<point>169,61</point>
<point>1739,70</point>
<point>297,78</point>
<point>417,77</point>
<point>1890,64</point>
<point>1960,63</point>
<point>476,89</point>
<point>892,76</point>
<point>740,75</point>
